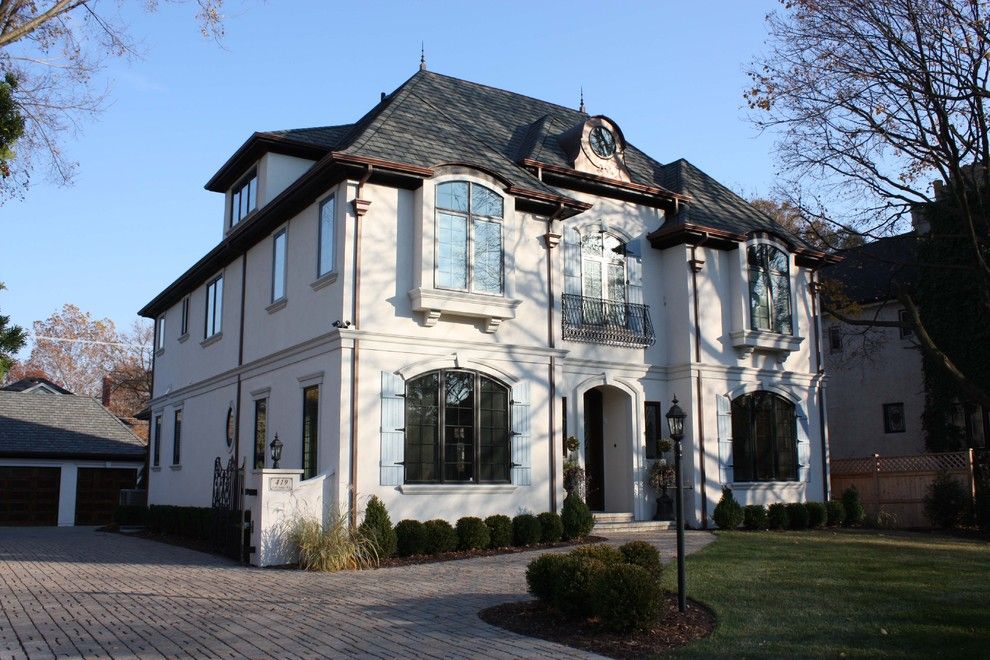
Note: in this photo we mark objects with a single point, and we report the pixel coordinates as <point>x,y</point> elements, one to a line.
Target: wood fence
<point>896,485</point>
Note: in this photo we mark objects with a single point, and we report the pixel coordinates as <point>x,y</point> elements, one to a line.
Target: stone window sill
<point>277,305</point>
<point>765,485</point>
<point>435,302</point>
<point>747,341</point>
<point>156,468</point>
<point>183,337</point>
<point>457,489</point>
<point>175,467</point>
<point>323,280</point>
<point>211,340</point>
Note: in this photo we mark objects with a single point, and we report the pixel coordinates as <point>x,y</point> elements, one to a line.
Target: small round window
<point>230,426</point>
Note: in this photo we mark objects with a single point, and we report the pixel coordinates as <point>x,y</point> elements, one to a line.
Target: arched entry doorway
<point>608,460</point>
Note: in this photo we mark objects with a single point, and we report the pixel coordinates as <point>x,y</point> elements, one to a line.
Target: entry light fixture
<point>276,447</point>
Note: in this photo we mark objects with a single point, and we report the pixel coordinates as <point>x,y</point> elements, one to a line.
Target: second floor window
<point>177,438</point>
<point>278,266</point>
<point>603,267</point>
<point>184,325</point>
<point>469,238</point>
<point>214,307</point>
<point>325,264</point>
<point>156,458</point>
<point>769,289</point>
<point>160,333</point>
<point>244,198</point>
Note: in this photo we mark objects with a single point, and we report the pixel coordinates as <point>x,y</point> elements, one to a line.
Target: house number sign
<point>280,483</point>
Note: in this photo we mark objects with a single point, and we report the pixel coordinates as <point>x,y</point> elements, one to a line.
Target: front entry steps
<point>623,522</point>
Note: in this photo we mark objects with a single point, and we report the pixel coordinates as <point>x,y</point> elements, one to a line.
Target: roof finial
<point>422,56</point>
<point>581,109</point>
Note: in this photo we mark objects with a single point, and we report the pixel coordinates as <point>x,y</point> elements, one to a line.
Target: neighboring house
<point>63,459</point>
<point>423,304</point>
<point>876,376</point>
<point>34,384</point>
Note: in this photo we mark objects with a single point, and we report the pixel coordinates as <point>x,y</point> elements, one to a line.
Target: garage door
<point>29,495</point>
<point>98,491</point>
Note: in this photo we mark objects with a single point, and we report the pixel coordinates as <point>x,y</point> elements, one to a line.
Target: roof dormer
<point>597,146</point>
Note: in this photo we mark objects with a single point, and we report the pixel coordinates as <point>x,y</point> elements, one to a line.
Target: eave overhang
<point>252,150</point>
<point>565,177</point>
<point>693,234</point>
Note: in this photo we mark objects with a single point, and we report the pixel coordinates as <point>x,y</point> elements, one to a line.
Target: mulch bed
<point>535,619</point>
<point>392,562</point>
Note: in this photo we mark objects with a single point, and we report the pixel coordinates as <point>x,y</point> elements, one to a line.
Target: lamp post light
<point>276,448</point>
<point>675,420</point>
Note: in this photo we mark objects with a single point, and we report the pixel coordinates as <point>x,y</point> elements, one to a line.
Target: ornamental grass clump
<point>410,538</point>
<point>526,530</point>
<point>727,514</point>
<point>835,513</point>
<point>552,527</point>
<point>439,537</point>
<point>472,534</point>
<point>336,546</point>
<point>777,517</point>
<point>377,526</point>
<point>576,517</point>
<point>755,517</point>
<point>499,530</point>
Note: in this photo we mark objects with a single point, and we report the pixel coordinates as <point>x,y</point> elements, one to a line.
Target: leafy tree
<point>12,339</point>
<point>872,102</point>
<point>50,52</point>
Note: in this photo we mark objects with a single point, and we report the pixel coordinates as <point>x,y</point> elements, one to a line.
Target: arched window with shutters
<point>764,438</point>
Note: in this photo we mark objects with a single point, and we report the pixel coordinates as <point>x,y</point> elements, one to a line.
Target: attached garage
<point>29,495</point>
<point>63,459</point>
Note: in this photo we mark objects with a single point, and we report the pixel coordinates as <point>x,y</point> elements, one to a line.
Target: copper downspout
<point>552,240</point>
<point>360,208</point>
<point>821,385</point>
<point>696,265</point>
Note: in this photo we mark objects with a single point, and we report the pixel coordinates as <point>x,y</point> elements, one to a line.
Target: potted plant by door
<point>660,478</point>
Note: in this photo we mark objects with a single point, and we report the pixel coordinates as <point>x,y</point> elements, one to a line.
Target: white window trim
<point>324,277</point>
<point>283,231</point>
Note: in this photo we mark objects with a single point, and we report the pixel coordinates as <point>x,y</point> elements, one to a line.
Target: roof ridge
<point>505,91</point>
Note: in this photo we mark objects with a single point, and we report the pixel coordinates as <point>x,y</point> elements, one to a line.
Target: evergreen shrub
<point>755,517</point>
<point>576,517</point>
<point>499,531</point>
<point>727,514</point>
<point>946,502</point>
<point>817,514</point>
<point>777,516</point>
<point>526,530</point>
<point>410,536</point>
<point>626,597</point>
<point>797,515</point>
<point>552,527</point>
<point>472,534</point>
<point>836,513</point>
<point>642,554</point>
<point>377,528</point>
<point>855,513</point>
<point>439,536</point>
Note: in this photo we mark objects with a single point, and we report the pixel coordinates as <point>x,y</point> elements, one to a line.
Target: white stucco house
<point>424,303</point>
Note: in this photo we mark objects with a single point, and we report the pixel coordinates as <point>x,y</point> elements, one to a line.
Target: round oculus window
<point>602,142</point>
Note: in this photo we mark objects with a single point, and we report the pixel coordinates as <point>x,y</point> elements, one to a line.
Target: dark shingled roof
<point>66,425</point>
<point>874,271</point>
<point>27,383</point>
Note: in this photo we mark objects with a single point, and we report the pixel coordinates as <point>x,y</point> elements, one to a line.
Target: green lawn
<point>799,594</point>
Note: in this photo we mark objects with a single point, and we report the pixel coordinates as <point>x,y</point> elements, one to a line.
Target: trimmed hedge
<point>817,514</point>
<point>192,522</point>
<point>777,517</point>
<point>472,534</point>
<point>835,513</point>
<point>576,516</point>
<point>439,537</point>
<point>552,527</point>
<point>499,531</point>
<point>755,517</point>
<point>410,538</point>
<point>377,527</point>
<point>526,530</point>
<point>797,516</point>
<point>131,514</point>
<point>644,555</point>
<point>626,597</point>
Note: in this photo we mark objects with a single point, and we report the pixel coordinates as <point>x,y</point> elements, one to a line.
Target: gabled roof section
<point>35,425</point>
<point>35,384</point>
<point>873,272</point>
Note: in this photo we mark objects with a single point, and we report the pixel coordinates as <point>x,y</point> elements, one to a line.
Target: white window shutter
<point>393,433</point>
<point>803,443</point>
<point>634,272</point>
<point>572,261</point>
<point>520,440</point>
<point>724,408</point>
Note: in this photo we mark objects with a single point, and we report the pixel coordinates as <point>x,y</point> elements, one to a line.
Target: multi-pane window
<point>244,198</point>
<point>769,289</point>
<point>160,333</point>
<point>457,429</point>
<point>260,432</point>
<point>325,263</point>
<point>177,438</point>
<point>214,307</point>
<point>156,458</point>
<point>278,266</point>
<point>764,438</point>
<point>603,267</point>
<point>893,418</point>
<point>184,322</point>
<point>469,238</point>
<point>310,434</point>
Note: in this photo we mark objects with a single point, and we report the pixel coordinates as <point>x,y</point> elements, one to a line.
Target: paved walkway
<point>72,592</point>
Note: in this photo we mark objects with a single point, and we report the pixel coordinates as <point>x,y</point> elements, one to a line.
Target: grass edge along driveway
<point>833,593</point>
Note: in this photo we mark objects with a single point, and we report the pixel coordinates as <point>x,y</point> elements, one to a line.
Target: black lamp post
<point>276,448</point>
<point>675,420</point>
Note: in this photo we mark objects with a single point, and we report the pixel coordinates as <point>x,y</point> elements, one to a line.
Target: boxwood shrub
<point>573,588</point>
<point>499,531</point>
<point>836,513</point>
<point>755,517</point>
<point>541,575</point>
<point>817,514</point>
<point>472,534</point>
<point>777,517</point>
<point>439,536</point>
<point>626,597</point>
<point>526,530</point>
<point>644,555</point>
<point>599,552</point>
<point>552,527</point>
<point>410,538</point>
<point>576,516</point>
<point>797,515</point>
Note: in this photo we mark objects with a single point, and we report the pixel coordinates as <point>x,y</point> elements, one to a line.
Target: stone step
<point>645,526</point>
<point>613,517</point>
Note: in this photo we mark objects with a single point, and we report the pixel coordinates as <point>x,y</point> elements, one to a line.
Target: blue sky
<point>670,73</point>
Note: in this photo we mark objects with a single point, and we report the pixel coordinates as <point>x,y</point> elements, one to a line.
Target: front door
<point>594,457</point>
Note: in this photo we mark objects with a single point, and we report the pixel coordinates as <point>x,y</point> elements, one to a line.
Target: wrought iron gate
<point>227,533</point>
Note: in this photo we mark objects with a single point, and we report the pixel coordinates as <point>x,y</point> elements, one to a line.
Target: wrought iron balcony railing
<point>610,322</point>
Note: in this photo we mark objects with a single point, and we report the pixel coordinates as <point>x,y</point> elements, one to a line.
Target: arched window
<point>764,438</point>
<point>769,289</point>
<point>469,238</point>
<point>457,429</point>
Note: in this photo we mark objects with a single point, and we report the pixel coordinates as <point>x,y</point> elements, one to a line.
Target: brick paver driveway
<point>77,592</point>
